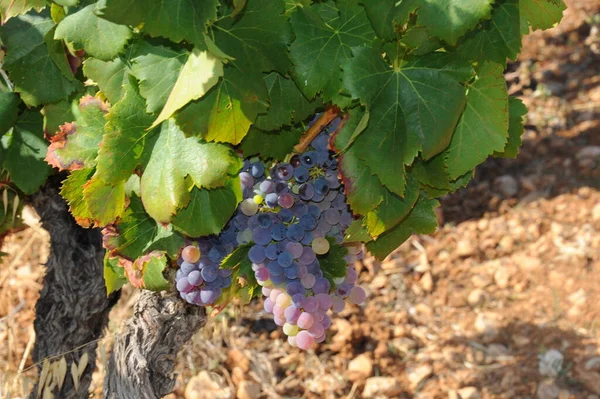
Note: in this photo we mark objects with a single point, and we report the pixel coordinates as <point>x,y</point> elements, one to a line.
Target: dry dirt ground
<point>502,302</point>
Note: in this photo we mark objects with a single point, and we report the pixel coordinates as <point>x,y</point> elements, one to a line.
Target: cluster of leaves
<point>149,105</point>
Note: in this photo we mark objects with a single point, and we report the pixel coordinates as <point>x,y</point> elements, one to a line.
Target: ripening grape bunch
<point>291,215</point>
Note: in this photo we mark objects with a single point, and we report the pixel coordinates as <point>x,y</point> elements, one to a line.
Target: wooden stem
<point>325,119</point>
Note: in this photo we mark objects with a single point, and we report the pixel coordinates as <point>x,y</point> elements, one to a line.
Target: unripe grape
<point>190,254</point>
<point>290,329</point>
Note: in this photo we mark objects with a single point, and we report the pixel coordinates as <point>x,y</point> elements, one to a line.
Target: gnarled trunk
<point>73,308</point>
<point>144,354</point>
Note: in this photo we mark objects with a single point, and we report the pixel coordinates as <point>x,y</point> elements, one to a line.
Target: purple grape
<point>271,251</point>
<point>295,233</point>
<point>261,236</point>
<point>306,191</point>
<point>195,278</point>
<point>257,253</point>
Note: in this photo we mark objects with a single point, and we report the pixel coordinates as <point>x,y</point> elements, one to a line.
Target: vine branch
<point>325,119</point>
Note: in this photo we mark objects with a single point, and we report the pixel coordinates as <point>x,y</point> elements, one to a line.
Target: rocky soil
<point>502,302</point>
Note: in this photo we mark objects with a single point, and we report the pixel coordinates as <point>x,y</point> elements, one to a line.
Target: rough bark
<point>73,308</point>
<point>144,354</point>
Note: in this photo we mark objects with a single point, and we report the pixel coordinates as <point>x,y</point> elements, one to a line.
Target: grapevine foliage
<point>152,106</point>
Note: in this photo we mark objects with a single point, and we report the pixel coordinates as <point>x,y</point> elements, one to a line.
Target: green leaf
<point>421,220</point>
<point>72,192</point>
<point>292,5</point>
<point>157,68</point>
<point>357,232</point>
<point>9,108</point>
<point>257,38</point>
<point>125,138</point>
<point>208,211</point>
<point>111,76</point>
<point>66,3</point>
<point>332,264</point>
<point>499,39</point>
<point>105,202</point>
<point>136,233</point>
<point>98,37</point>
<point>354,123</point>
<point>32,60</point>
<point>76,145</point>
<point>386,14</point>
<point>234,259</point>
<point>516,111</point>
<point>24,157</point>
<point>483,127</point>
<point>288,104</point>
<point>391,210</point>
<point>413,107</point>
<point>12,8</point>
<point>114,274</point>
<point>226,113</point>
<point>323,46</point>
<point>450,20</point>
<point>153,266</point>
<point>542,14</point>
<point>58,114</point>
<point>363,189</point>
<point>175,157</point>
<point>433,172</point>
<point>200,73</point>
<point>176,20</point>
<point>271,145</point>
<point>244,285</point>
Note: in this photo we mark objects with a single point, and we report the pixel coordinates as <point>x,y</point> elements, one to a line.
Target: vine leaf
<point>24,155</point>
<point>176,20</point>
<point>147,271</point>
<point>483,127</point>
<point>157,69</point>
<point>391,210</point>
<point>288,104</point>
<point>98,37</point>
<point>357,232</point>
<point>105,202</point>
<point>257,38</point>
<point>244,285</point>
<point>124,142</point>
<point>200,72</point>
<point>114,274</point>
<point>386,15</point>
<point>324,42</point>
<point>450,20</point>
<point>516,111</point>
<point>333,263</point>
<point>9,108</point>
<point>226,112</point>
<point>413,107</point>
<point>35,62</point>
<point>208,211</point>
<point>12,8</point>
<point>499,39</point>
<point>421,220</point>
<point>271,145</point>
<point>75,146</point>
<point>137,233</point>
<point>363,189</point>
<point>541,14</point>
<point>72,192</point>
<point>110,76</point>
<point>57,114</point>
<point>175,157</point>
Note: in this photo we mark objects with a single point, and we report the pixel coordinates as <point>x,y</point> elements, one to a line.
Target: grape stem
<point>326,117</point>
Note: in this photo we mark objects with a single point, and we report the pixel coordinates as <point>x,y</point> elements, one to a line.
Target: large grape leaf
<point>483,127</point>
<point>385,15</point>
<point>516,111</point>
<point>323,44</point>
<point>136,233</point>
<point>125,138</point>
<point>499,39</point>
<point>363,189</point>
<point>174,19</point>
<point>98,37</point>
<point>291,5</point>
<point>75,146</point>
<point>271,145</point>
<point>288,104</point>
<point>413,107</point>
<point>35,62</point>
<point>226,112</point>
<point>421,220</point>
<point>172,159</point>
<point>200,72</point>
<point>332,264</point>
<point>542,14</point>
<point>208,211</point>
<point>12,8</point>
<point>257,38</point>
<point>114,274</point>
<point>57,114</point>
<point>391,210</point>
<point>72,192</point>
<point>24,156</point>
<point>110,76</point>
<point>157,69</point>
<point>9,108</point>
<point>450,20</point>
<point>244,285</point>
<point>105,202</point>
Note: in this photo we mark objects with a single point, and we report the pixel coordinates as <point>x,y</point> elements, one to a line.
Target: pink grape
<point>292,313</point>
<point>308,281</point>
<point>316,330</point>
<point>266,291</point>
<point>268,305</point>
<point>324,301</point>
<point>292,341</point>
<point>337,304</point>
<point>262,274</point>
<point>321,338</point>
<point>274,294</point>
<point>191,254</point>
<point>357,295</point>
<point>311,304</point>
<point>306,320</point>
<point>278,311</point>
<point>304,340</point>
<point>280,321</point>
<point>319,316</point>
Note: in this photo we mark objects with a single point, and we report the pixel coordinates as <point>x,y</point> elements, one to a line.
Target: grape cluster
<point>290,216</point>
